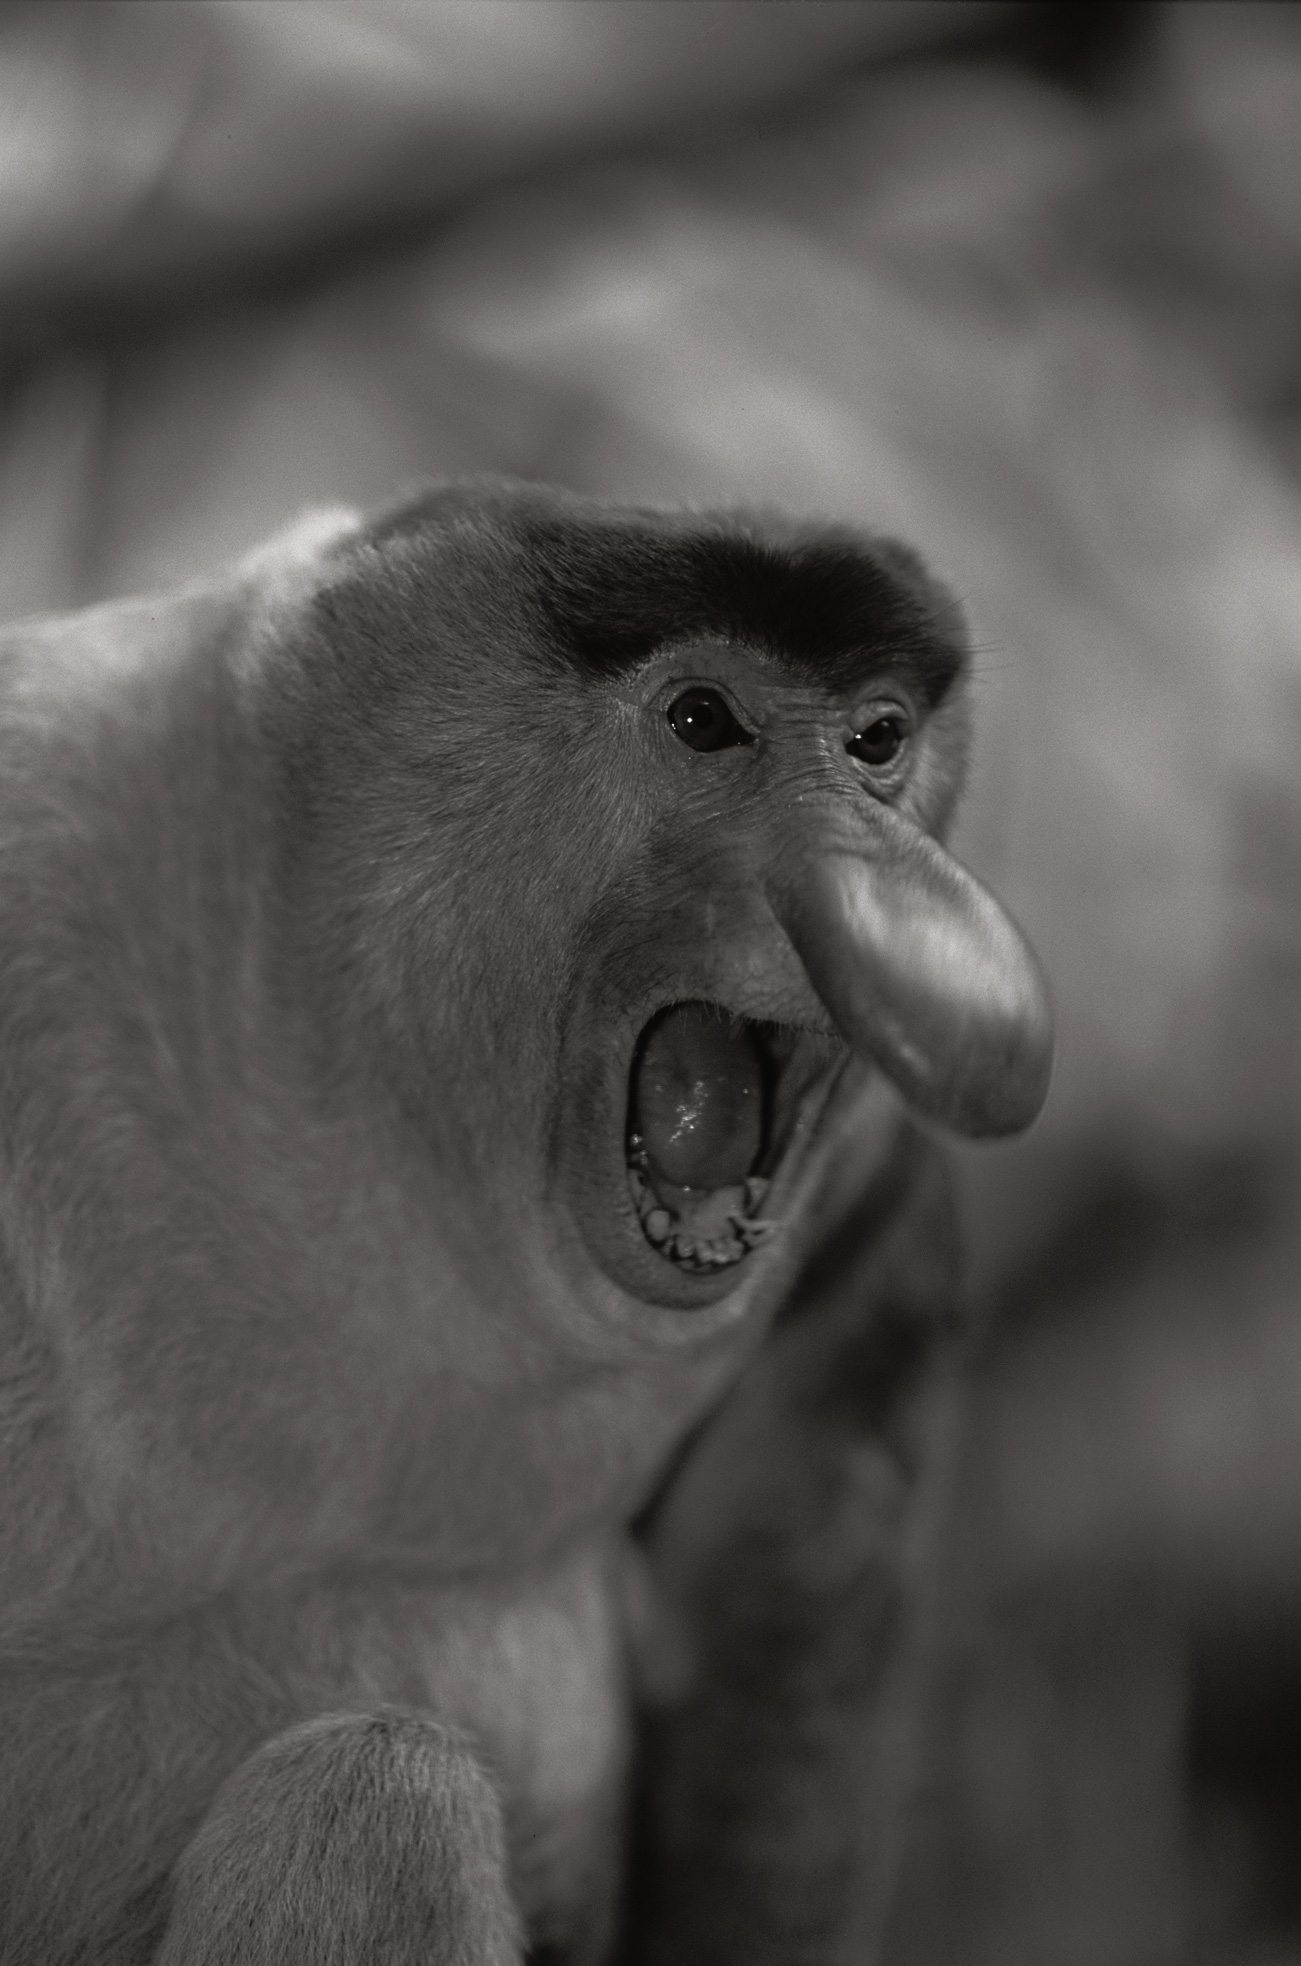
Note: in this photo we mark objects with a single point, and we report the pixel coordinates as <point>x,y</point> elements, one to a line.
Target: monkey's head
<point>484,942</point>
<point>615,850</point>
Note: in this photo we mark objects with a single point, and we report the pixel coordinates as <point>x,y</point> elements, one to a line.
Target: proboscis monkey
<point>448,973</point>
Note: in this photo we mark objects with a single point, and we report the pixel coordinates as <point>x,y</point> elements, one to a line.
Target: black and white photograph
<point>650,983</point>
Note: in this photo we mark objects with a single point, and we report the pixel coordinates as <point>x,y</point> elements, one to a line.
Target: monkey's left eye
<point>880,742</point>
<point>702,719</point>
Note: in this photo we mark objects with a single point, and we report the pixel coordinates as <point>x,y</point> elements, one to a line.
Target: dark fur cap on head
<point>609,585</point>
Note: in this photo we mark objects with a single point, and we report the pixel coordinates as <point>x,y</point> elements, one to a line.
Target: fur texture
<point>334,1369</point>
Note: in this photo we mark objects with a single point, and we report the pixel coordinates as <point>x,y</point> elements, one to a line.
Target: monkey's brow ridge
<point>831,607</point>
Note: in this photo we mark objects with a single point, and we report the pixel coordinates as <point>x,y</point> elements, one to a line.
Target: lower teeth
<point>718,1232</point>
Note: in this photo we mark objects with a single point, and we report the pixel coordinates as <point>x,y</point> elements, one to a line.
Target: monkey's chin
<point>707,1140</point>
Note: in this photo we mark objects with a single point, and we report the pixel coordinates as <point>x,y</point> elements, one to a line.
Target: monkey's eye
<point>879,742</point>
<point>702,719</point>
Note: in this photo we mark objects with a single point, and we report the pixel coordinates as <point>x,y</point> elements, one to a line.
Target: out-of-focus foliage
<point>1053,335</point>
<point>146,145</point>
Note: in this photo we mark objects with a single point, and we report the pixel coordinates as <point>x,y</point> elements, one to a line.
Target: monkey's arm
<point>234,1789</point>
<point>353,1837</point>
<point>793,1551</point>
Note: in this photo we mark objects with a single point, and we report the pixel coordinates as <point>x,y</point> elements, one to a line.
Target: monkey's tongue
<point>924,972</point>
<point>698,1099</point>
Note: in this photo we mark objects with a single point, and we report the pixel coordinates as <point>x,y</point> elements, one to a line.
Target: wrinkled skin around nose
<point>922,970</point>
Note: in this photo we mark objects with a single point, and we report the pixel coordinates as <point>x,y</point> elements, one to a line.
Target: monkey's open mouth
<point>713,1101</point>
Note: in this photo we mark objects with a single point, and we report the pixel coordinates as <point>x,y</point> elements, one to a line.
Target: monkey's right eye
<point>702,719</point>
<point>880,743</point>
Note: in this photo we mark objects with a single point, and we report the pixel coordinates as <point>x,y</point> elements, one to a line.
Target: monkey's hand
<point>792,1557</point>
<point>345,1841</point>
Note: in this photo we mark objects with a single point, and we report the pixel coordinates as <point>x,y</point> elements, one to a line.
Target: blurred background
<point>1021,283</point>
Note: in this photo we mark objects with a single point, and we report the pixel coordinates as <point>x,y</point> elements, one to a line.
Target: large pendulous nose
<point>922,969</point>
